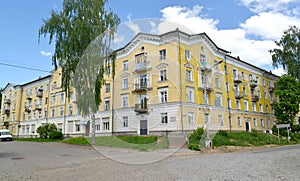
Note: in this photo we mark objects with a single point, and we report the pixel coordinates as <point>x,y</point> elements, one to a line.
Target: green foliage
<point>296,128</point>
<point>82,32</point>
<point>282,131</point>
<point>196,135</point>
<point>287,89</point>
<point>295,137</point>
<point>194,146</point>
<point>35,139</point>
<point>77,141</point>
<point>45,130</point>
<point>56,135</point>
<point>288,53</point>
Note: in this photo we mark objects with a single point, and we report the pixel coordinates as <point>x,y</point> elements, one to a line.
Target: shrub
<point>56,135</point>
<point>45,130</point>
<point>254,132</point>
<point>282,131</point>
<point>194,146</point>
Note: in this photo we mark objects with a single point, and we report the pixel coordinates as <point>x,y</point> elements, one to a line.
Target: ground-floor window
<point>164,118</point>
<point>239,121</point>
<point>97,127</point>
<point>32,128</point>
<point>77,126</point>
<point>105,125</point>
<point>125,121</point>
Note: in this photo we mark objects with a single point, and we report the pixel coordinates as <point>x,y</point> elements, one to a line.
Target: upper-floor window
<point>202,58</point>
<point>238,104</point>
<point>162,54</point>
<point>107,87</point>
<point>107,70</point>
<point>187,55</point>
<point>246,107</point>
<point>163,75</point>
<point>190,94</point>
<point>189,75</point>
<point>125,83</point>
<point>125,65</point>
<point>124,100</point>
<point>62,96</point>
<point>191,117</point>
<point>54,85</point>
<point>163,95</point>
<point>107,104</point>
<point>218,85</point>
<point>70,110</point>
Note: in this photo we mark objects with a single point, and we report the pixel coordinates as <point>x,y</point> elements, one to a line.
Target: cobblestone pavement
<point>57,161</point>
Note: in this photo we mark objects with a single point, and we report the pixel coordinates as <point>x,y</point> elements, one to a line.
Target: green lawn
<point>142,143</point>
<point>36,140</point>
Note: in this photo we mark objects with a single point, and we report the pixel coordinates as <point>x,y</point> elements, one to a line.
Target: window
<point>163,96</point>
<point>267,109</point>
<point>244,91</point>
<point>163,75</point>
<point>40,114</point>
<point>191,117</point>
<point>52,112</point>
<point>218,85</point>
<point>246,107</point>
<point>70,110</point>
<point>221,120</point>
<point>97,127</point>
<point>28,116</point>
<point>226,70</point>
<point>202,58</point>
<point>62,96</point>
<point>13,117</point>
<point>45,113</point>
<point>61,111</point>
<point>227,87</point>
<point>124,100</point>
<point>125,83</point>
<point>77,126</point>
<point>162,54</point>
<point>268,123</point>
<point>32,128</point>
<point>238,104</point>
<point>54,85</point>
<point>47,87</point>
<point>190,94</point>
<point>164,118</point>
<point>206,118</point>
<point>229,103</point>
<point>218,100</point>
<point>262,123</point>
<point>107,69</point>
<point>239,121</point>
<point>254,106</point>
<point>106,104</point>
<point>125,65</point>
<point>106,125</point>
<point>54,98</point>
<point>254,122</point>
<point>187,55</point>
<point>189,75</point>
<point>107,87</point>
<point>260,108</point>
<point>243,75</point>
<point>125,121</point>
<point>46,100</point>
<point>59,127</point>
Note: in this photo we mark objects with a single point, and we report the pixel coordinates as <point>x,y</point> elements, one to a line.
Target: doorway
<point>143,127</point>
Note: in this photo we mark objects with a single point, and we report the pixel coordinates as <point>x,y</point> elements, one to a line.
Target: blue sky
<point>247,28</point>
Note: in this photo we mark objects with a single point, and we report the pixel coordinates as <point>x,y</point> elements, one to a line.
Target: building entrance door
<point>143,127</point>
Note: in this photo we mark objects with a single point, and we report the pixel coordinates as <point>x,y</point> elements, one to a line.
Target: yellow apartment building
<point>170,82</point>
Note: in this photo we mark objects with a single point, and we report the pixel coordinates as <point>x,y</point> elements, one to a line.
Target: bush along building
<point>170,82</point>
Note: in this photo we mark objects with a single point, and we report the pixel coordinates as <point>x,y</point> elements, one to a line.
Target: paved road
<point>56,161</point>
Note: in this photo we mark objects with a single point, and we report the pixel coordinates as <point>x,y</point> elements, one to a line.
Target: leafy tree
<point>287,88</point>
<point>288,55</point>
<point>82,32</point>
<point>46,130</point>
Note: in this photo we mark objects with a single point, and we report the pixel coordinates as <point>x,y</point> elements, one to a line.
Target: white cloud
<point>134,27</point>
<point>268,25</point>
<point>46,54</point>
<point>118,39</point>
<point>279,71</point>
<point>258,6</point>
<point>265,26</point>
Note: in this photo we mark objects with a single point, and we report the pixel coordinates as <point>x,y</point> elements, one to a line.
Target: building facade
<point>170,82</point>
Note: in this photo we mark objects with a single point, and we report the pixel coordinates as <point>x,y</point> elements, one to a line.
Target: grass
<point>142,143</point>
<point>223,138</point>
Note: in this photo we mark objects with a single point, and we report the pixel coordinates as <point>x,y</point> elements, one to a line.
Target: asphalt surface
<point>57,161</point>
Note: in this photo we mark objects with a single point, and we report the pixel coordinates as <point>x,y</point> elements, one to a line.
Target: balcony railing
<point>28,97</point>
<point>205,67</point>
<point>28,109</point>
<point>39,93</point>
<point>140,87</point>
<point>237,79</point>
<point>208,87</point>
<point>254,98</point>
<point>141,66</point>
<point>7,110</point>
<point>38,107</point>
<point>7,101</point>
<point>141,108</point>
<point>238,95</point>
<point>253,83</point>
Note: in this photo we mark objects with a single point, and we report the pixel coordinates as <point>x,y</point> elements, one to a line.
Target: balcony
<point>237,79</point>
<point>38,107</point>
<point>272,102</point>
<point>253,83</point>
<point>208,87</point>
<point>205,67</point>
<point>141,108</point>
<point>7,110</point>
<point>28,109</point>
<point>28,97</point>
<point>271,89</point>
<point>140,88</point>
<point>254,98</point>
<point>7,101</point>
<point>238,95</point>
<point>39,93</point>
